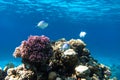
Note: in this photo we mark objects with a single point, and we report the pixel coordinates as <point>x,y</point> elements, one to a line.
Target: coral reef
<point>2,74</point>
<point>59,60</point>
<point>9,65</point>
<point>71,63</point>
<point>19,73</point>
<point>36,50</point>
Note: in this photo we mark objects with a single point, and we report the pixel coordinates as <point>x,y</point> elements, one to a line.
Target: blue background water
<point>66,18</point>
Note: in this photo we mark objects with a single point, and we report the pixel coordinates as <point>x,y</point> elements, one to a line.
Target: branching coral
<point>35,49</point>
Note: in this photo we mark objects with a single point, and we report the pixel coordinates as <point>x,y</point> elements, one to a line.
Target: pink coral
<point>35,49</point>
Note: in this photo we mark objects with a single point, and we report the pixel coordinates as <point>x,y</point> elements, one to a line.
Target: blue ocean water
<point>100,19</point>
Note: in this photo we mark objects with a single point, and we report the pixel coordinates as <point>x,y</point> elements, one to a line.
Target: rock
<point>52,76</point>
<point>82,71</point>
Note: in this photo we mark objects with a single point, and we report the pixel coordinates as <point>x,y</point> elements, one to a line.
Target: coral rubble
<point>59,60</point>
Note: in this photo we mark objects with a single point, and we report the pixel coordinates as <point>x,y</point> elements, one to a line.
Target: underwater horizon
<point>66,19</point>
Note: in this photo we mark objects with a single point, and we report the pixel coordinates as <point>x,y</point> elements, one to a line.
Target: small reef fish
<point>82,34</point>
<point>65,46</point>
<point>42,24</point>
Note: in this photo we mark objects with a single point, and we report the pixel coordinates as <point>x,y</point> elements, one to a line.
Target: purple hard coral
<point>35,49</point>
